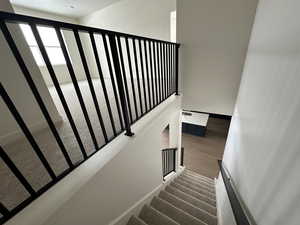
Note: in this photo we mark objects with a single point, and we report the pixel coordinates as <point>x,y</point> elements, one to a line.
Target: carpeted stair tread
<point>189,199</point>
<point>192,200</point>
<point>175,213</point>
<point>197,180</point>
<point>202,190</point>
<point>152,216</point>
<point>198,176</point>
<point>136,221</point>
<point>194,193</point>
<point>189,208</point>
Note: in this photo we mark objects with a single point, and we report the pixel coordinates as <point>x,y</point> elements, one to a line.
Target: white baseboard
<point>137,207</point>
<point>18,134</point>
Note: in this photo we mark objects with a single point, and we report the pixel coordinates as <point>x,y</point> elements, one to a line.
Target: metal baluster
<point>147,73</point>
<point>170,73</point>
<point>90,83</point>
<point>10,164</point>
<point>143,76</point>
<point>76,86</point>
<point>137,75</point>
<point>131,78</point>
<point>116,62</point>
<point>159,70</point>
<point>124,77</point>
<point>34,90</point>
<point>26,131</point>
<point>176,68</point>
<point>151,71</point>
<point>155,72</point>
<point>96,55</point>
<point>112,80</point>
<point>58,90</point>
<point>4,211</point>
<point>162,73</point>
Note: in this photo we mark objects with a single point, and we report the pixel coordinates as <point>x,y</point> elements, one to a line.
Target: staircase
<point>188,200</point>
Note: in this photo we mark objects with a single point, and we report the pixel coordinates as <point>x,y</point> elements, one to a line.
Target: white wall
<point>140,17</point>
<point>113,180</point>
<point>60,70</point>
<point>262,150</point>
<point>214,38</point>
<point>16,85</point>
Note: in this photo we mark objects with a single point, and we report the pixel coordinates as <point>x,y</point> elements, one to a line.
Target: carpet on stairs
<point>188,200</point>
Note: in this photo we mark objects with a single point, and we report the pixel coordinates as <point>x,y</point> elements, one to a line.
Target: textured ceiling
<point>71,8</point>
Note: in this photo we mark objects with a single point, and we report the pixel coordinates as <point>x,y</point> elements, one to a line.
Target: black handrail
<point>156,72</point>
<point>13,17</point>
<point>168,161</point>
<point>238,212</point>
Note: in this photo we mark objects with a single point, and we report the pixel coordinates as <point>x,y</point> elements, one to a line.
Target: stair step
<point>194,193</point>
<point>153,217</point>
<point>189,208</point>
<point>202,190</point>
<point>136,221</point>
<point>192,200</point>
<point>198,176</point>
<point>198,181</point>
<point>195,179</point>
<point>174,213</point>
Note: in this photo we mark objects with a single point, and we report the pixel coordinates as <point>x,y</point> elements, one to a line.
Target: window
<point>50,41</point>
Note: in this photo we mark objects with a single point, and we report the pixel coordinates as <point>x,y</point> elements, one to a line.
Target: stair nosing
<point>207,205</point>
<point>199,176</point>
<point>192,205</point>
<point>186,183</point>
<point>196,193</point>
<point>157,211</point>
<point>197,179</point>
<point>182,211</point>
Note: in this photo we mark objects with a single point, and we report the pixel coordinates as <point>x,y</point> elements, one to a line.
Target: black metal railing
<point>239,213</point>
<point>168,161</point>
<point>182,157</point>
<point>142,73</point>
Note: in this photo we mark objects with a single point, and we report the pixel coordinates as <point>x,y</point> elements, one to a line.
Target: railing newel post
<point>176,67</point>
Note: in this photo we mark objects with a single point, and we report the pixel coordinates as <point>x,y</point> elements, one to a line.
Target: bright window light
<point>50,41</point>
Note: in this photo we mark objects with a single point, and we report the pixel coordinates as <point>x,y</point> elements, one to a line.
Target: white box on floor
<point>194,123</point>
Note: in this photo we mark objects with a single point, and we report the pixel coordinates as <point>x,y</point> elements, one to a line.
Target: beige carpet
<point>188,200</point>
<point>11,191</point>
<point>201,154</point>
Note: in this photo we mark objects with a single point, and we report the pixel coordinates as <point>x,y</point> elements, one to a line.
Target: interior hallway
<point>201,154</point>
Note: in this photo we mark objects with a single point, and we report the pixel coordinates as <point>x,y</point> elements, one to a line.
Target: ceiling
<point>70,8</point>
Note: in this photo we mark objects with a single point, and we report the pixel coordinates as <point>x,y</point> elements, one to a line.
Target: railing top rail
<point>239,213</point>
<point>18,18</point>
<point>169,149</point>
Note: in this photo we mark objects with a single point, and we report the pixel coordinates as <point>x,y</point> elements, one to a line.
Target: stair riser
<point>198,188</point>
<point>195,194</point>
<point>194,179</point>
<point>198,176</point>
<point>153,217</point>
<point>192,200</point>
<point>190,209</point>
<point>174,213</point>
